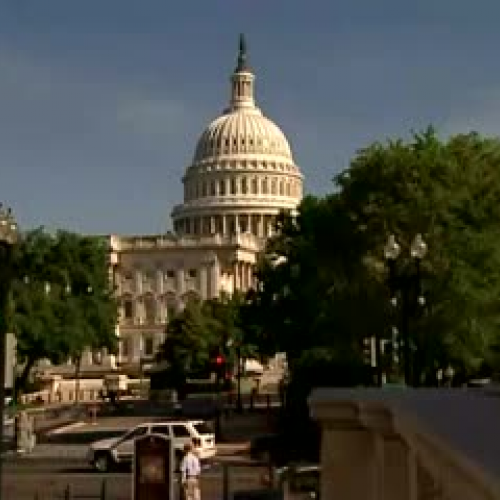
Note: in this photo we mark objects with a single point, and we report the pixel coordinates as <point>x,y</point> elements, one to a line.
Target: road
<point>59,460</point>
<point>24,477</point>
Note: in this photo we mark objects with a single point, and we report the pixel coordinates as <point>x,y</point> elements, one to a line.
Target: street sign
<point>153,474</point>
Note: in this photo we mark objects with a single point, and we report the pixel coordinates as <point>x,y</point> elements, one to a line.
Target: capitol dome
<point>242,173</point>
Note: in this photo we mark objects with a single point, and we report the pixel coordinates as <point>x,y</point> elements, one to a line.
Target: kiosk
<point>153,468</point>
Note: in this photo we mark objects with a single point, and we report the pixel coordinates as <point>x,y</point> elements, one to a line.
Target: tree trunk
<point>20,383</point>
<point>78,366</point>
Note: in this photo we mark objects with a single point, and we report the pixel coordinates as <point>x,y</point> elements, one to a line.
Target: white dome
<point>242,174</point>
<point>244,131</point>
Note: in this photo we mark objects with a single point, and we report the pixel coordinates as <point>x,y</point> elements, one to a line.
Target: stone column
<point>136,347</point>
<point>236,282</point>
<point>181,281</point>
<point>224,225</point>
<point>212,225</point>
<point>400,470</point>
<point>138,282</point>
<point>250,276</point>
<point>236,223</point>
<point>204,282</point>
<point>244,275</point>
<point>160,281</point>
<point>214,278</point>
<point>260,225</point>
<point>351,459</point>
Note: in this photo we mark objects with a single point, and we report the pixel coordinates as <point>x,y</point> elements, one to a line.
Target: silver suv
<point>109,453</point>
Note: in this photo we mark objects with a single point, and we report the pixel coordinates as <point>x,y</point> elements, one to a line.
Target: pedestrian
<point>190,473</point>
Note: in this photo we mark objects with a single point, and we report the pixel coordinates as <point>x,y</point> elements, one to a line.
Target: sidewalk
<point>78,452</point>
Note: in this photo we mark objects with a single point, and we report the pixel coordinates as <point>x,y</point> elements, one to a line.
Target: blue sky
<point>102,101</point>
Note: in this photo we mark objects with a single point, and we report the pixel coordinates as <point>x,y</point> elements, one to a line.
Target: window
<point>128,309</point>
<point>233,186</point>
<point>171,306</point>
<point>244,187</point>
<point>180,431</point>
<point>203,428</point>
<point>192,273</point>
<point>149,347</point>
<point>170,274</point>
<point>254,186</point>
<point>212,188</point>
<point>222,187</point>
<point>125,348</point>
<point>164,430</point>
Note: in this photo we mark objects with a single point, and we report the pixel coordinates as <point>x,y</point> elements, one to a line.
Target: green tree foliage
<point>201,332</point>
<point>323,279</point>
<point>62,299</point>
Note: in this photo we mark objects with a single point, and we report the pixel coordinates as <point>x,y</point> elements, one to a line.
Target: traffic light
<point>219,366</point>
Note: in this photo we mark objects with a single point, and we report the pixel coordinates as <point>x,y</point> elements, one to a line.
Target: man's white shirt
<point>190,466</point>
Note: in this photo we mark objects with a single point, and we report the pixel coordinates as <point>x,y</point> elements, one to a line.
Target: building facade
<point>241,177</point>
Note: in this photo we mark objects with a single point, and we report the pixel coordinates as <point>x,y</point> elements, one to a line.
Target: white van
<point>108,453</point>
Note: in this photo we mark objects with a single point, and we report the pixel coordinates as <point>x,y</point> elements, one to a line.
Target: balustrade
<point>408,445</point>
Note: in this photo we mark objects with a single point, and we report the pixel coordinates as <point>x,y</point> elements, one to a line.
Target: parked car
<point>107,454</point>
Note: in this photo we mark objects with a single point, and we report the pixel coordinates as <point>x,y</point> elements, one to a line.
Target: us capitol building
<point>241,176</point>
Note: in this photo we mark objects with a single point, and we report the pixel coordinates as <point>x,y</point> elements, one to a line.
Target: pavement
<point>23,479</point>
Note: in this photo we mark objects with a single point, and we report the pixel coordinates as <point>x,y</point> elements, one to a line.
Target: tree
<point>313,284</point>
<point>62,299</point>
<point>191,337</point>
<point>323,278</point>
<point>450,192</point>
<point>202,332</point>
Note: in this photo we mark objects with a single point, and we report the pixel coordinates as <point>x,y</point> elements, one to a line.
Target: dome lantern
<point>242,81</point>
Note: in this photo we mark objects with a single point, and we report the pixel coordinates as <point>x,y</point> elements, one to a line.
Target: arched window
<point>170,306</point>
<point>149,309</point>
<point>128,308</point>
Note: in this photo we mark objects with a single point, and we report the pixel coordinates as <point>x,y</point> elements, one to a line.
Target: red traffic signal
<point>219,360</point>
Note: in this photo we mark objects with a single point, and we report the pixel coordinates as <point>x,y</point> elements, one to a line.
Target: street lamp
<point>406,284</point>
<point>239,404</point>
<point>8,239</point>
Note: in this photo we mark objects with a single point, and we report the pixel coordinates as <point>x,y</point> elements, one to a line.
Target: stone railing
<point>390,444</point>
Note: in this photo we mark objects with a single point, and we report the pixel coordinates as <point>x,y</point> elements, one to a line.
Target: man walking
<point>190,474</point>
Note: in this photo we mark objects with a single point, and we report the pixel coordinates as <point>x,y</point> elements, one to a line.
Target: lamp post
<point>8,239</point>
<point>405,283</point>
